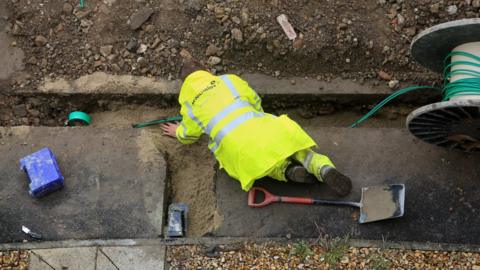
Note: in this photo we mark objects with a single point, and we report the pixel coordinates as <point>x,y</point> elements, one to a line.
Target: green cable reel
<point>454,123</point>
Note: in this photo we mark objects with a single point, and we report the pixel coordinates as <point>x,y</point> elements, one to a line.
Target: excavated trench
<point>190,180</point>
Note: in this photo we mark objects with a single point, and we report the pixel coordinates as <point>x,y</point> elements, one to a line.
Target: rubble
<point>138,18</point>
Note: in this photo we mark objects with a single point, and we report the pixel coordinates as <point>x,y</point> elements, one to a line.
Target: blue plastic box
<point>43,171</point>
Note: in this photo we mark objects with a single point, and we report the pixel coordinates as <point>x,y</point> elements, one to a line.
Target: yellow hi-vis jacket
<point>247,142</point>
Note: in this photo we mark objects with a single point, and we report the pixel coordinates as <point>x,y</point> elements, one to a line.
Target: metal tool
<point>177,220</point>
<point>29,232</point>
<point>376,203</point>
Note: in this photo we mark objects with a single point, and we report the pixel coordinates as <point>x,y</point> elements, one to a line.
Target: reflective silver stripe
<point>214,147</point>
<point>235,123</point>
<point>223,113</point>
<point>257,104</point>
<point>307,160</point>
<point>184,134</point>
<point>194,118</point>
<point>184,130</point>
<point>229,83</point>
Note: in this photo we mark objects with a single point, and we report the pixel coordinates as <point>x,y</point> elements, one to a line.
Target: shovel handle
<point>269,198</point>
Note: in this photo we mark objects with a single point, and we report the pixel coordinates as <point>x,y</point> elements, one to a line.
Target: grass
<point>335,248</point>
<point>301,249</point>
<point>379,263</point>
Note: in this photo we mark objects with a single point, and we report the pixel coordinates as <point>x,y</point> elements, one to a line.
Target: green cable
<point>461,87</point>
<point>159,121</point>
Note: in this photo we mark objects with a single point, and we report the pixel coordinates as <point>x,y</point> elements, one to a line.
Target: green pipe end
<point>77,116</point>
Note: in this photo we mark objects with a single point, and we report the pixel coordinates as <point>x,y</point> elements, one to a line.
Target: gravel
<point>286,256</point>
<point>14,260</point>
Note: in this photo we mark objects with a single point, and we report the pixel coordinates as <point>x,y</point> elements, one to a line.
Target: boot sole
<point>301,175</point>
<point>338,182</point>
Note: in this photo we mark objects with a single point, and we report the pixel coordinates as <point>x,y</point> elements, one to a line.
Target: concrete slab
<point>442,200</point>
<point>114,185</point>
<point>105,263</point>
<point>35,263</point>
<point>132,258</point>
<point>64,258</point>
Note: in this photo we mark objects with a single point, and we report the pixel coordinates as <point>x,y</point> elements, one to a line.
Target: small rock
<point>245,17</point>
<point>112,57</point>
<point>452,9</point>
<point>40,41</point>
<point>435,8</point>
<point>82,13</point>
<point>476,4</point>
<point>149,28</point>
<point>32,60</point>
<point>34,112</point>
<point>138,18</point>
<point>59,28</point>
<point>298,43</point>
<point>212,50</point>
<point>142,49</point>
<point>196,5</point>
<point>97,63</point>
<point>400,19</point>
<point>393,84</point>
<point>237,35</point>
<point>106,50</point>
<point>116,68</point>
<point>411,31</point>
<point>186,54</point>
<point>219,12</point>
<point>276,73</point>
<point>132,45</point>
<point>384,75</point>
<point>236,20</point>
<point>214,60</point>
<point>19,111</point>
<point>293,82</point>
<point>67,8</point>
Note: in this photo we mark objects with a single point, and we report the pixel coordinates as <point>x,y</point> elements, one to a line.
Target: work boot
<point>337,181</point>
<point>297,173</point>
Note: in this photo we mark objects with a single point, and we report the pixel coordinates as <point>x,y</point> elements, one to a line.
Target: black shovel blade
<point>382,202</point>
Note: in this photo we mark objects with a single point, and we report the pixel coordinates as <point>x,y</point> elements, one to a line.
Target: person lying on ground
<point>247,142</point>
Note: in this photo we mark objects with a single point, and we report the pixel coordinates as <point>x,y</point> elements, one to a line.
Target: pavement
<point>101,258</point>
<point>114,185</point>
<point>441,192</point>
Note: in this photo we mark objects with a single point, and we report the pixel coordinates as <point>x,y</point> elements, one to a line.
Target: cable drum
<point>454,49</point>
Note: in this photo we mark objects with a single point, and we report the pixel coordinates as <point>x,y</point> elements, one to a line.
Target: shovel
<point>377,202</point>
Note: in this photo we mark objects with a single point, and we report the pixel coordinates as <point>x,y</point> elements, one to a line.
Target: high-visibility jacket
<point>246,141</point>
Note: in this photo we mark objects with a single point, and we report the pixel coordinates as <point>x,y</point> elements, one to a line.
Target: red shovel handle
<point>268,197</point>
<point>271,198</point>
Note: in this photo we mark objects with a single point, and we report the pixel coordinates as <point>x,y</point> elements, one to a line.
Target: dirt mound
<point>350,38</point>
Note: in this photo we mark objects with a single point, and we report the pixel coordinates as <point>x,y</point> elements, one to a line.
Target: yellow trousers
<point>312,161</point>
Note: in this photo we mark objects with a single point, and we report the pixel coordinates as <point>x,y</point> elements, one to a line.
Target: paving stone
<point>139,257</point>
<point>441,192</point>
<point>104,263</point>
<point>36,264</point>
<point>114,184</point>
<point>63,258</point>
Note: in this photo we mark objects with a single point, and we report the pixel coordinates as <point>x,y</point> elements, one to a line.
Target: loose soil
<point>352,39</point>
